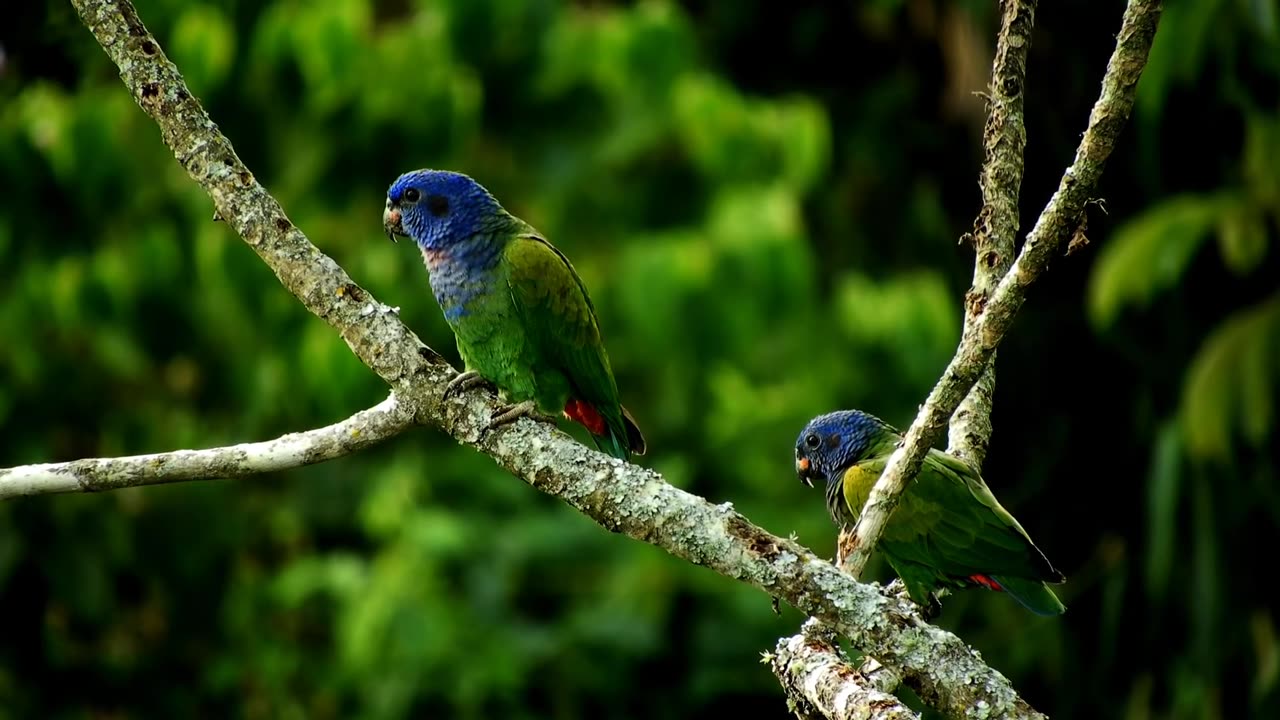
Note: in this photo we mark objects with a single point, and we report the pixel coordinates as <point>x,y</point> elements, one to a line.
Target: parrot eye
<point>811,441</point>
<point>438,205</point>
<point>412,195</point>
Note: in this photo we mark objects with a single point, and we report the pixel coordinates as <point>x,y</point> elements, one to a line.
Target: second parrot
<point>948,531</point>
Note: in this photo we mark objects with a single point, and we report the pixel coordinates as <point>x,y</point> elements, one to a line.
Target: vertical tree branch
<point>1056,224</point>
<point>1003,140</point>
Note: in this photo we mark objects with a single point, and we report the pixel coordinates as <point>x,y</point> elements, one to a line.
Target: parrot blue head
<point>438,208</point>
<point>831,443</point>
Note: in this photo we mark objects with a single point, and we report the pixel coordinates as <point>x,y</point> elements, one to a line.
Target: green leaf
<point>1163,490</point>
<point>1231,383</point>
<point>1177,53</point>
<point>914,317</point>
<point>1267,651</point>
<point>1242,237</point>
<point>203,45</point>
<point>1149,254</point>
<point>1261,148</point>
<point>1264,15</point>
<point>744,140</point>
<point>1206,568</point>
<point>805,136</point>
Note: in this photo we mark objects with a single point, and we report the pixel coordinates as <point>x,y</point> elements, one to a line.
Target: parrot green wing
<point>560,321</point>
<point>907,536</point>
<point>948,520</point>
<point>976,534</point>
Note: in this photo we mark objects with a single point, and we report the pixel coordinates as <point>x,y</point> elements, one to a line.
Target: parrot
<point>520,313</point>
<point>948,531</point>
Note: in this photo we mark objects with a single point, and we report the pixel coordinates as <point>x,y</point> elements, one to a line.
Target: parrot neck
<point>476,254</point>
<point>836,506</point>
<point>463,271</point>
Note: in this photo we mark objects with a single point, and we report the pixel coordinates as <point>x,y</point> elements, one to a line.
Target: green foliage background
<point>765,203</point>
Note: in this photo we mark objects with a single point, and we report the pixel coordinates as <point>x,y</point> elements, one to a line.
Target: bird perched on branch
<point>521,315</point>
<point>948,530</point>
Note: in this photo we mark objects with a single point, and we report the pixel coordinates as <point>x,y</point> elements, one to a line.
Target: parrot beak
<point>391,221</point>
<point>803,470</point>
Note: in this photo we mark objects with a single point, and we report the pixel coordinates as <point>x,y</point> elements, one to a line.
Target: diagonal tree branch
<point>364,429</point>
<point>819,681</point>
<point>1004,139</point>
<point>621,497</point>
<point>1054,227</point>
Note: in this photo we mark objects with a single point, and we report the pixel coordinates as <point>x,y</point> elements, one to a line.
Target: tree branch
<point>819,681</point>
<point>1004,139</point>
<point>996,226</point>
<point>364,429</point>
<point>621,497</point>
<point>1054,227</point>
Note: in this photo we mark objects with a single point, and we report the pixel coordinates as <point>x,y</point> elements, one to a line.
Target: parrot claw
<point>931,609</point>
<point>511,413</point>
<point>464,381</point>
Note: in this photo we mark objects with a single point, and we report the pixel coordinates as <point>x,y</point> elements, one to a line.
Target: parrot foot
<point>931,609</point>
<point>464,381</point>
<point>511,413</point>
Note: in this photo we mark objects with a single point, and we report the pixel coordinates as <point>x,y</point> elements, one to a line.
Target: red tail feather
<point>580,412</point>
<point>986,582</point>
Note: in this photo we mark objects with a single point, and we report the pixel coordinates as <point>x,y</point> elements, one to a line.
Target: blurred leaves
<point>1242,237</point>
<point>736,140</point>
<point>1232,382</point>
<point>1187,30</point>
<point>1150,253</point>
<point>1267,650</point>
<point>912,316</point>
<point>1165,490</point>
<point>204,46</point>
<point>1231,386</point>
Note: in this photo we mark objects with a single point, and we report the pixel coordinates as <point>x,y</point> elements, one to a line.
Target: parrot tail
<point>615,444</point>
<point>1034,595</point>
<point>618,442</point>
<point>635,439</point>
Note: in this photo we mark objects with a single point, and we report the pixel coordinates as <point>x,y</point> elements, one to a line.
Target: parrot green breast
<point>521,333</point>
<point>527,324</point>
<point>533,332</point>
<point>486,324</point>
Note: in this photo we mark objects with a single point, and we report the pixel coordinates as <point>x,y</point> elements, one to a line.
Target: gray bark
<point>364,429</point>
<point>819,681</point>
<point>994,230</point>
